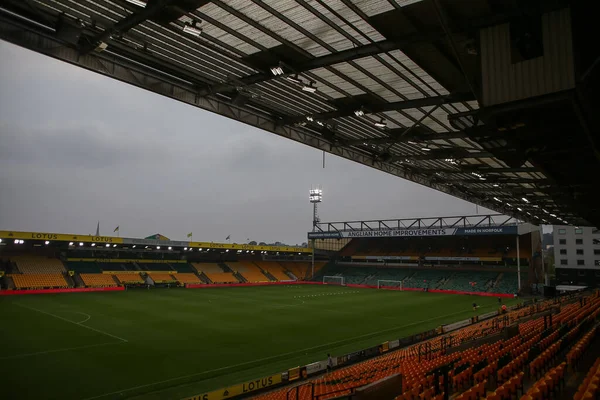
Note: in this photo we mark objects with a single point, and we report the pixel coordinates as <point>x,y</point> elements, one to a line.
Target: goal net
<point>333,280</point>
<point>382,284</point>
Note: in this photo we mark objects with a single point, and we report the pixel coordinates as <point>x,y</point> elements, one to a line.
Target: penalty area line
<point>72,322</point>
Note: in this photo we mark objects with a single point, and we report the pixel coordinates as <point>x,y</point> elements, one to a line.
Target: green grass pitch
<point>173,343</point>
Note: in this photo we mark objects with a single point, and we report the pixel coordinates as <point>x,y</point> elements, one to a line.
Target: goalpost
<point>333,280</point>
<point>383,283</point>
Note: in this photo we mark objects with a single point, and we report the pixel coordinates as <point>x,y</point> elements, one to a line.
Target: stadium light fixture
<point>133,247</point>
<point>320,123</point>
<point>138,3</point>
<point>192,29</point>
<point>21,241</point>
<point>508,205</point>
<point>157,247</point>
<point>93,244</point>
<point>525,200</point>
<point>146,247</point>
<point>309,118</point>
<point>107,245</point>
<point>294,79</point>
<point>497,199</point>
<point>200,249</point>
<point>277,70</point>
<point>170,248</point>
<point>310,88</point>
<point>185,249</point>
<point>495,185</point>
<point>359,113</point>
<point>380,124</point>
<point>520,209</point>
<point>80,243</point>
<point>425,149</point>
<point>227,251</point>
<point>411,142</point>
<point>315,195</point>
<point>114,245</point>
<point>47,242</point>
<point>70,243</point>
<point>0,240</point>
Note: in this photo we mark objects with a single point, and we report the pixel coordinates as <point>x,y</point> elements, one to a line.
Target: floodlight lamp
<point>80,243</point>
<point>157,247</point>
<point>70,243</point>
<point>425,149</point>
<point>309,118</point>
<point>107,245</point>
<point>497,199</point>
<point>138,3</point>
<point>47,242</point>
<point>0,240</point>
<point>525,200</point>
<point>94,245</point>
<point>170,248</point>
<point>114,245</point>
<point>21,241</point>
<point>193,30</point>
<point>519,208</point>
<point>185,249</point>
<point>359,113</point>
<point>200,249</point>
<point>380,124</point>
<point>495,185</point>
<point>277,70</point>
<point>146,247</point>
<point>227,251</point>
<point>320,123</point>
<point>133,247</point>
<point>294,79</point>
<point>309,88</point>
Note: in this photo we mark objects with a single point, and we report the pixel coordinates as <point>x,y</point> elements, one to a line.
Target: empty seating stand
<point>129,278</point>
<point>39,281</point>
<point>248,270</point>
<point>215,273</point>
<point>161,277</point>
<point>39,265</point>
<point>187,277</point>
<point>98,280</point>
<point>274,269</point>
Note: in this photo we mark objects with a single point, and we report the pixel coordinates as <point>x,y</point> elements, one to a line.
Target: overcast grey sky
<point>77,147</point>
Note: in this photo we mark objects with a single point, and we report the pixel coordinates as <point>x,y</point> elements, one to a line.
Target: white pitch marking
<point>74,323</point>
<point>57,350</point>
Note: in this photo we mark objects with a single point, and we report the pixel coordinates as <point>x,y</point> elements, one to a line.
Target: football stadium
<point>488,101</point>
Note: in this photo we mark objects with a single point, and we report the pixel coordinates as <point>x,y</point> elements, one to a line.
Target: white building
<point>577,255</point>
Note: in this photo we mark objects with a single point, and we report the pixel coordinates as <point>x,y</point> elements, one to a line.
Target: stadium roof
<point>395,85</point>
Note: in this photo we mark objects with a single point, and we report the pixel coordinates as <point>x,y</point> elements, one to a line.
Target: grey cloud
<point>77,147</point>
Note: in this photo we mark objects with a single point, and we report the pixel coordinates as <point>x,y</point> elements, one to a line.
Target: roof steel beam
<point>394,106</point>
<point>328,60</point>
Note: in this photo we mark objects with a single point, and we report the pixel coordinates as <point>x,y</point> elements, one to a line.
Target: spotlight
<point>309,118</point>
<point>359,113</point>
<point>192,29</point>
<point>277,71</point>
<point>309,88</point>
<point>380,124</point>
<point>157,247</point>
<point>185,249</point>
<point>425,149</point>
<point>525,200</point>
<point>294,79</point>
<point>93,244</point>
<point>170,248</point>
<point>133,247</point>
<point>21,241</point>
<point>107,245</point>
<point>70,243</point>
<point>114,245</point>
<point>47,242</point>
<point>200,249</point>
<point>227,251</point>
<point>80,243</point>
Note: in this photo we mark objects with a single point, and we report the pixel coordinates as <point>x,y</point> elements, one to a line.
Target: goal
<point>389,284</point>
<point>333,280</point>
